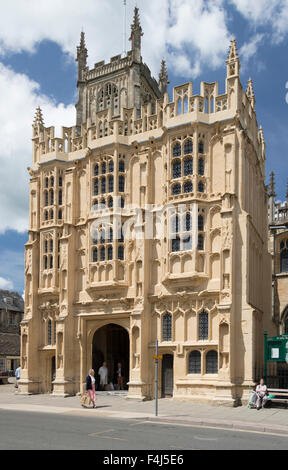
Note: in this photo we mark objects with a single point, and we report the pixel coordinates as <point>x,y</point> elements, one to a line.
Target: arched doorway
<point>111,344</point>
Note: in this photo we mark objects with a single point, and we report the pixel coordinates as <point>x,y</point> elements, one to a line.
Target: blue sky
<point>37,66</point>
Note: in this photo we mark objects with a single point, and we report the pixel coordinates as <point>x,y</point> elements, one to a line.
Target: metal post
<point>156,378</point>
<point>265,357</point>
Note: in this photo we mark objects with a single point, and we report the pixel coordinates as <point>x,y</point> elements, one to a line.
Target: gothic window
<point>45,262</point>
<point>200,223</point>
<point>102,235</point>
<point>176,189</point>
<point>110,239</point>
<point>51,214</point>
<point>203,326</point>
<point>46,246</point>
<point>106,129</point>
<point>181,226</point>
<point>121,252</point>
<point>103,185</point>
<point>103,204</point>
<point>60,198</point>
<point>51,245</point>
<point>96,187</point>
<point>102,253</point>
<point>201,187</point>
<point>96,170</point>
<point>176,165</point>
<point>51,197</point>
<point>188,166</point>
<point>46,182</point>
<point>95,205</point>
<point>95,255</point>
<point>51,262</point>
<point>52,181</point>
<point>188,224</point>
<point>177,150</point>
<point>212,362</point>
<point>103,168</point>
<point>46,198</point>
<point>49,332</point>
<point>111,184</point>
<point>284,260</point>
<point>46,215</point>
<point>110,253</point>
<point>201,166</point>
<point>201,147</point>
<point>121,166</point>
<point>175,224</point>
<point>167,327</point>
<point>110,202</point>
<point>176,244</point>
<point>121,184</point>
<point>188,147</point>
<point>188,187</point>
<point>194,366</point>
<point>122,203</point>
<point>60,214</point>
<point>111,166</point>
<point>60,181</point>
<point>200,242</point>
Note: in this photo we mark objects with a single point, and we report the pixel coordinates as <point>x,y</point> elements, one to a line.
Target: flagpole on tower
<point>125,26</point>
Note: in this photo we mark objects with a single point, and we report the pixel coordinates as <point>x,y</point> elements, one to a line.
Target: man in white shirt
<point>17,375</point>
<point>103,373</point>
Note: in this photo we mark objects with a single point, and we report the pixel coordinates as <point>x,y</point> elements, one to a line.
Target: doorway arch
<point>111,344</point>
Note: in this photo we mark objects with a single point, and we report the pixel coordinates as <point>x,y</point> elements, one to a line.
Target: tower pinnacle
<point>233,62</point>
<point>136,34</point>
<point>82,55</point>
<point>38,119</point>
<point>163,78</point>
<point>250,93</point>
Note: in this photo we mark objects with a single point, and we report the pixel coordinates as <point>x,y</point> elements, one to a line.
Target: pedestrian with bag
<point>90,389</point>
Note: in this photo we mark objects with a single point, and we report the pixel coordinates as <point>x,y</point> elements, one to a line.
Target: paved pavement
<point>273,420</point>
<point>38,431</point>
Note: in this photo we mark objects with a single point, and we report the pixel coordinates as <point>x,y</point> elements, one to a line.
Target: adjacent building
<point>148,221</point>
<point>11,315</point>
<point>278,246</point>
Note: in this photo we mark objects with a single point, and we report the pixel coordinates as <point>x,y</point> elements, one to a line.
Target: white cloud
<point>266,12</point>
<point>249,50</point>
<point>19,98</point>
<point>6,284</point>
<point>199,26</point>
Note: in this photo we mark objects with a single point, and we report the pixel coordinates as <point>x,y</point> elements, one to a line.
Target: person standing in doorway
<point>90,386</point>
<point>120,376</point>
<point>103,373</point>
<point>17,375</point>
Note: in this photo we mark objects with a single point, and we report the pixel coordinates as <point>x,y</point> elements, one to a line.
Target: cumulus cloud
<point>19,98</point>
<point>250,49</point>
<point>6,284</point>
<point>200,26</point>
<point>265,12</point>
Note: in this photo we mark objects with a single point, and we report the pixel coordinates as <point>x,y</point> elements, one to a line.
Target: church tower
<point>125,82</point>
<point>148,222</point>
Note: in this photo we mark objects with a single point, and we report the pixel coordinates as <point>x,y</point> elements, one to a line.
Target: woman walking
<point>90,386</point>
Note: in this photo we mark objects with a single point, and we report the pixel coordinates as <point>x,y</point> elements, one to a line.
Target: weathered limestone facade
<point>205,295</point>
